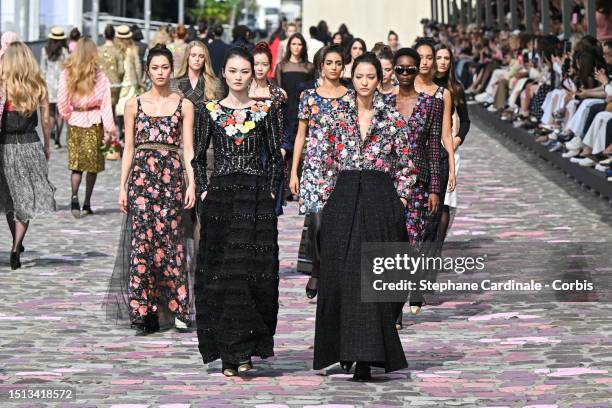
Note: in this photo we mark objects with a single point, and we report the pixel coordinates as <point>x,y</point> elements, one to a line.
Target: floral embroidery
<point>386,147</point>
<point>236,123</point>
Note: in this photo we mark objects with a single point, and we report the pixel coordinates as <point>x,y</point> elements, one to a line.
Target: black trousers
<point>592,111</point>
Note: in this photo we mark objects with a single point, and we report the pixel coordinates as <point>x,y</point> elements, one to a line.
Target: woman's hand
<point>203,195</point>
<point>452,183</point>
<point>190,197</point>
<point>283,153</point>
<point>122,200</point>
<point>433,202</point>
<point>46,151</point>
<point>294,184</point>
<point>601,76</point>
<point>107,139</point>
<point>456,143</point>
<point>404,201</point>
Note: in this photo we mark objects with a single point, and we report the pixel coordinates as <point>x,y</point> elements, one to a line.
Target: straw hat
<point>57,33</point>
<point>123,31</point>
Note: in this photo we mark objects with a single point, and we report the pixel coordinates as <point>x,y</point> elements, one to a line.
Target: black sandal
<point>310,292</point>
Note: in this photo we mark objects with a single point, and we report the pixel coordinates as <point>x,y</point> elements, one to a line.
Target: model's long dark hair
<point>454,87</point>
<point>303,54</point>
<point>347,56</point>
<point>54,49</point>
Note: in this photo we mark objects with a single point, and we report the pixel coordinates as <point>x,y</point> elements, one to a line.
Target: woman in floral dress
<point>157,186</point>
<point>320,108</point>
<point>372,156</point>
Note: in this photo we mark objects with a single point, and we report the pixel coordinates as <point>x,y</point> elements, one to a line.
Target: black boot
<point>362,372</point>
<point>151,323</point>
<point>75,208</point>
<point>15,261</point>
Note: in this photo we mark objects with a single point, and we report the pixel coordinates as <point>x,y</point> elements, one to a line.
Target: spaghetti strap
<point>179,107</point>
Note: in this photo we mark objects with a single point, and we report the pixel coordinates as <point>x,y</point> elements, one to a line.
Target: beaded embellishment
<point>239,122</point>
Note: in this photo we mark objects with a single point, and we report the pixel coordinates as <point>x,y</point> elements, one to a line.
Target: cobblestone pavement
<point>471,350</point>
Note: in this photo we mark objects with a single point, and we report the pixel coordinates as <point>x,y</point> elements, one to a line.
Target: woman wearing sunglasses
<point>424,128</point>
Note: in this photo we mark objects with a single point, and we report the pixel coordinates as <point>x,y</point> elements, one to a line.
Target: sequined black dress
<point>236,284</point>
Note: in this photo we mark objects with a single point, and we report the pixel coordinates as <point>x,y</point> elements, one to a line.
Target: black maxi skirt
<point>236,285</point>
<point>364,207</point>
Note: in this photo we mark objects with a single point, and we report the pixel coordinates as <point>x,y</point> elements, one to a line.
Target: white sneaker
<point>587,162</point>
<point>601,167</point>
<point>483,97</point>
<point>570,154</point>
<point>576,159</point>
<point>574,144</point>
<point>607,161</point>
<point>492,109</point>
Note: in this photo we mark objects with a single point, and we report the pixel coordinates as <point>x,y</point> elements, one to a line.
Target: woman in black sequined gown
<point>236,285</point>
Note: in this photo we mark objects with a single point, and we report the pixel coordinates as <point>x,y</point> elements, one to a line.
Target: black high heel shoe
<point>310,292</point>
<point>346,365</point>
<point>15,261</point>
<point>362,373</point>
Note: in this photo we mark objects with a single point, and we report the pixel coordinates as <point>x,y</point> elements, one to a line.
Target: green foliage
<point>217,11</point>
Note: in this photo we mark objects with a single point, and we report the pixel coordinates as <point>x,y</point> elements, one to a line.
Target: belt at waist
<point>157,146</point>
<point>91,108</point>
<point>18,138</point>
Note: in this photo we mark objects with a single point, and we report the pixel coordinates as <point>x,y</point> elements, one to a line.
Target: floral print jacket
<point>385,148</point>
<point>319,170</point>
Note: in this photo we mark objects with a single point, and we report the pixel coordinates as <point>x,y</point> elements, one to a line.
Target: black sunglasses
<point>412,70</point>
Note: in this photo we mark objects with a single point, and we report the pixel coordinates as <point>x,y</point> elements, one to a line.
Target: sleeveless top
<point>158,129</point>
<point>16,127</point>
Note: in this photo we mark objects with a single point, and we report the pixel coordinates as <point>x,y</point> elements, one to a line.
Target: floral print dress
<point>155,202</point>
<point>319,170</point>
